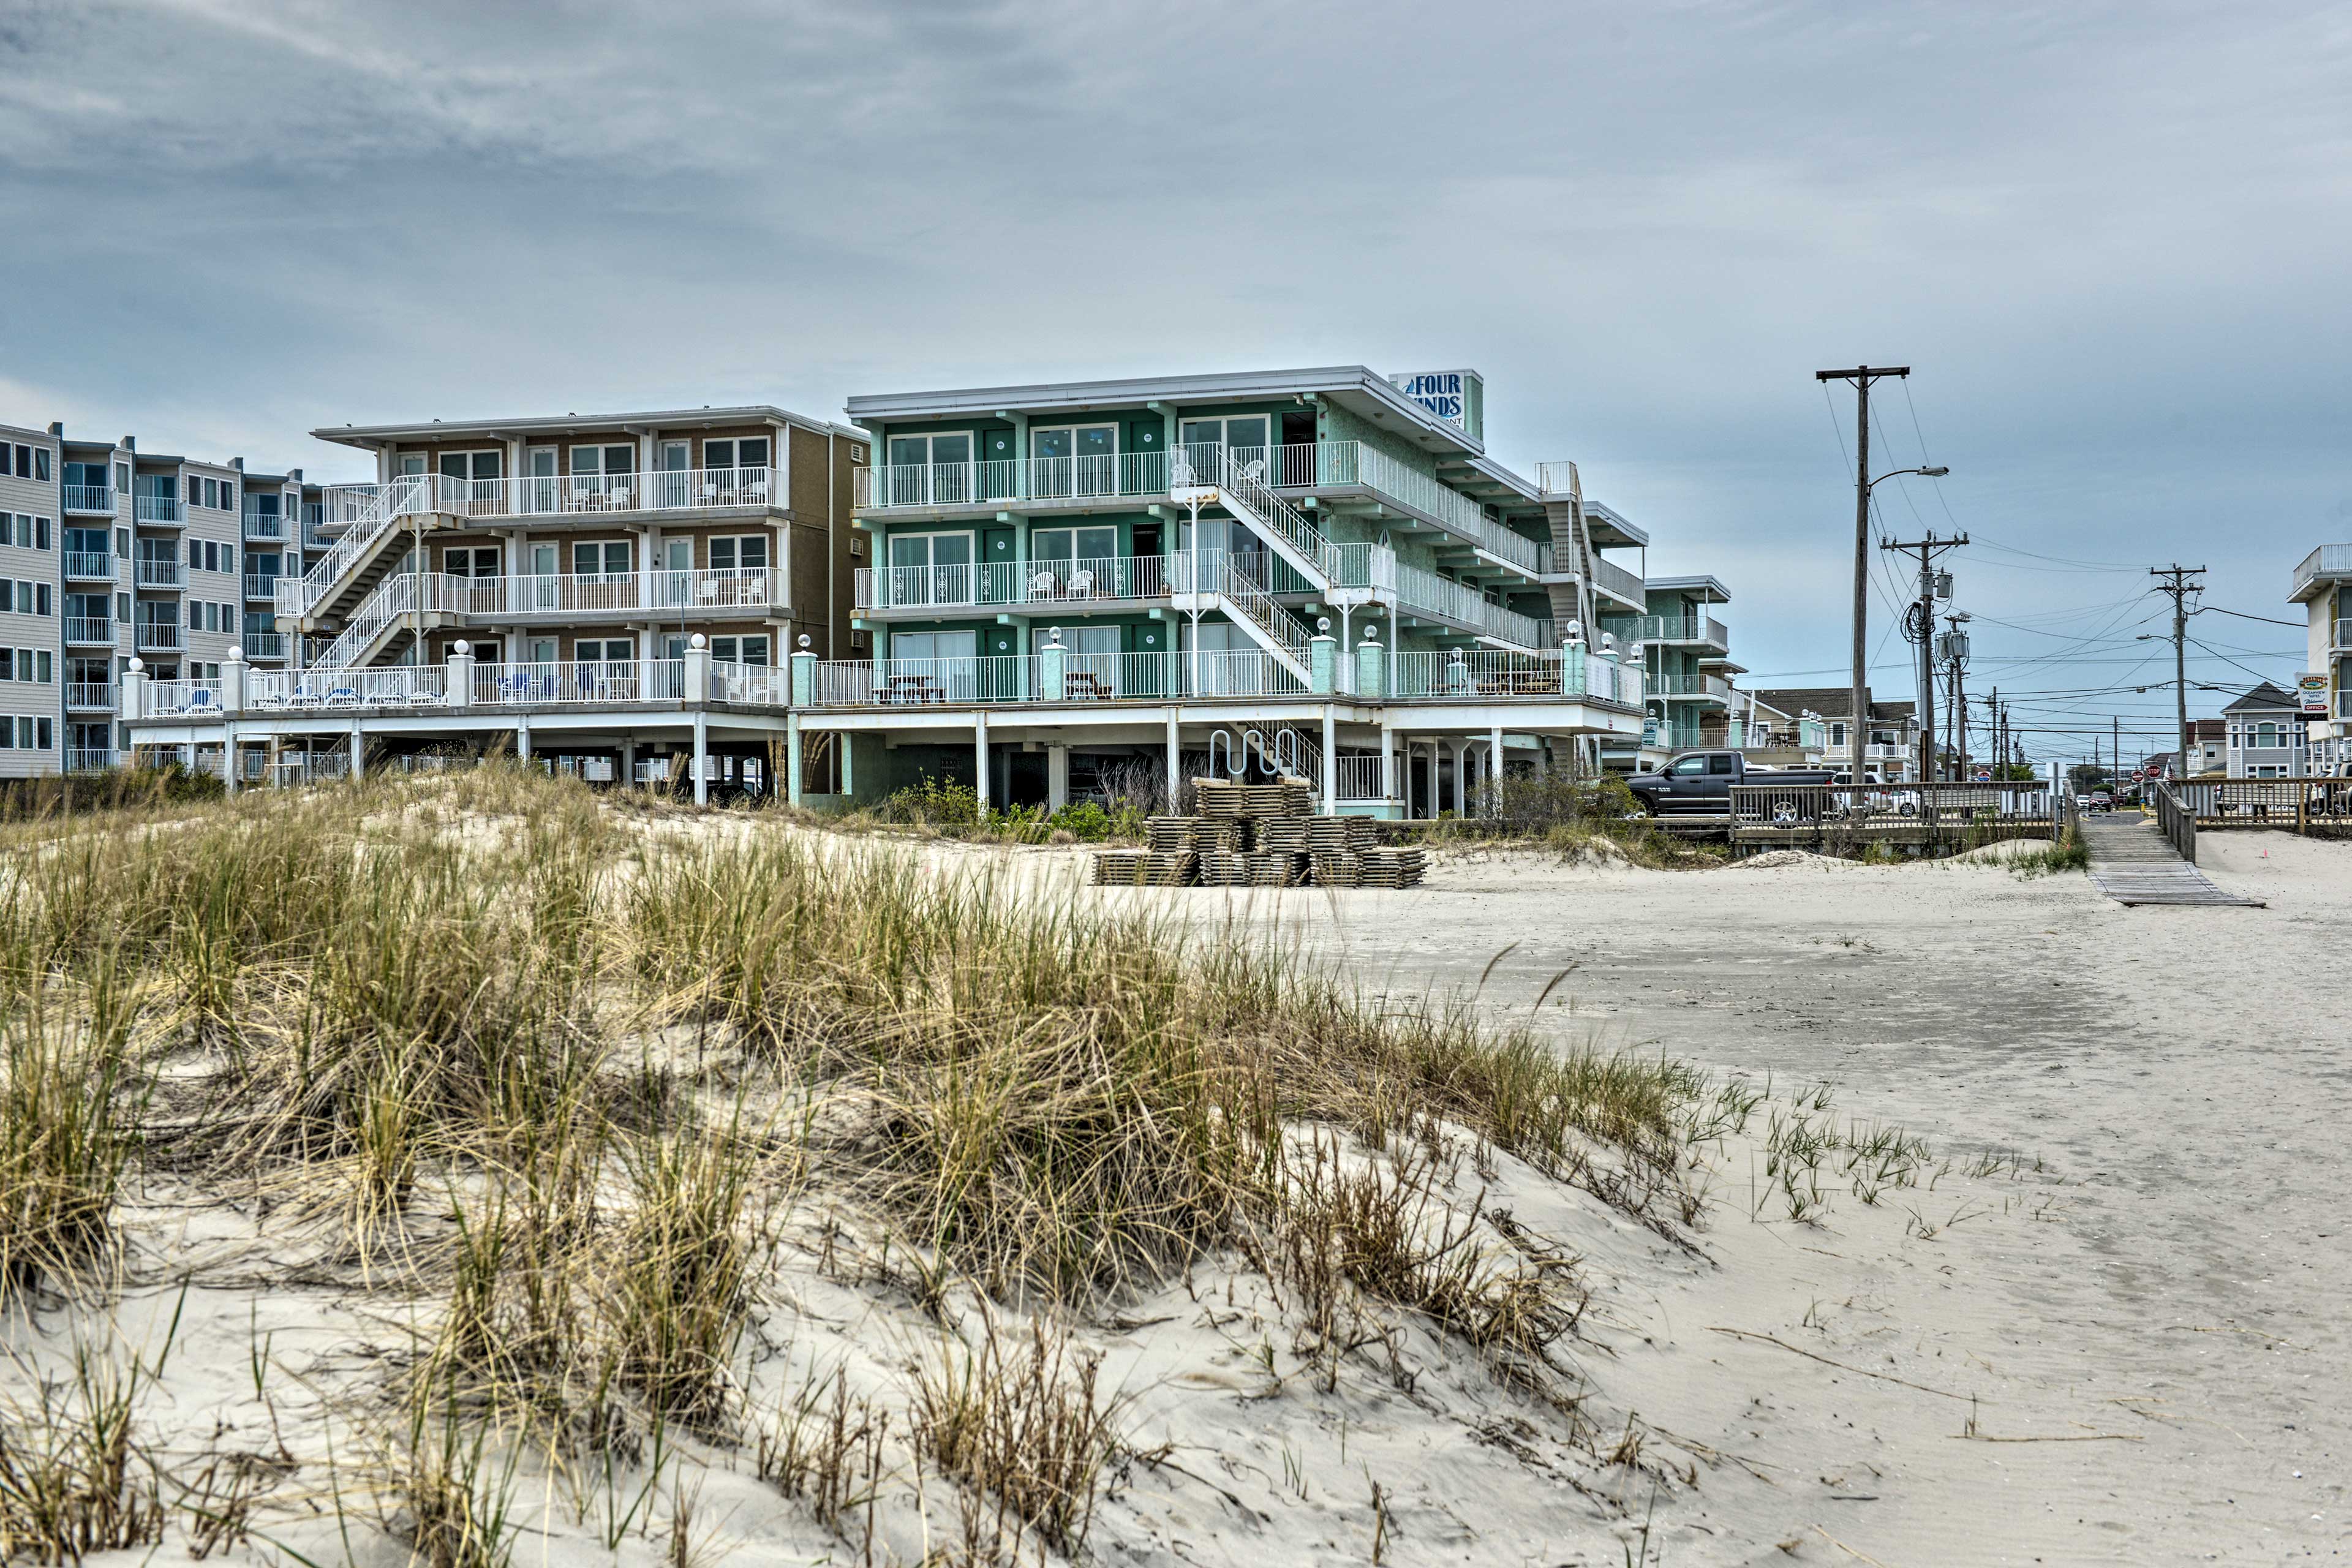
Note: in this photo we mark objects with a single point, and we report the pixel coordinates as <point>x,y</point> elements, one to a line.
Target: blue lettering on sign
<point>1440,391</point>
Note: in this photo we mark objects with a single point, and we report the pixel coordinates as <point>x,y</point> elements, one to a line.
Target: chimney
<point>58,428</point>
<point>293,476</point>
<point>237,463</point>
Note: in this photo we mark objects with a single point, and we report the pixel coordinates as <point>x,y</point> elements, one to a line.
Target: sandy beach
<point>2130,1352</point>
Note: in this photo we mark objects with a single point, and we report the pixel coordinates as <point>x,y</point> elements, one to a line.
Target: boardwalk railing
<point>2175,821</point>
<point>1931,816</point>
<point>2295,804</point>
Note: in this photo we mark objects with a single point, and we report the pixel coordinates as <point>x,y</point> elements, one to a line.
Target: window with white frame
<point>1074,459</point>
<point>740,649</point>
<point>600,558</point>
<point>609,650</point>
<point>743,551</point>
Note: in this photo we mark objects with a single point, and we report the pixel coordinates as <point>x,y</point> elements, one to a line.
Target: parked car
<point>1699,783</point>
<point>2101,800</point>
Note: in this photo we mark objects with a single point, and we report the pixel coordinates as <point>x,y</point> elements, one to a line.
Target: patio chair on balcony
<point>270,702</point>
<point>204,701</point>
<point>343,696</point>
<point>1082,585</point>
<point>620,497</point>
<point>1043,585</point>
<point>709,494</point>
<point>756,492</point>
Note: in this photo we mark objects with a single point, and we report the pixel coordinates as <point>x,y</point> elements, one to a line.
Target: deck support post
<point>1433,802</point>
<point>359,749</point>
<point>701,757</point>
<point>1330,760</point>
<point>980,756</point>
<point>793,783</point>
<point>1057,778</point>
<point>522,738</point>
<point>1462,778</point>
<point>1388,762</point>
<point>1495,770</point>
<point>1175,765</point>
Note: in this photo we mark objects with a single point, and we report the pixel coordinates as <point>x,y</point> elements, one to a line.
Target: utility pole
<point>1858,720</point>
<point>1919,626</point>
<point>2176,582</point>
<point>1953,649</point>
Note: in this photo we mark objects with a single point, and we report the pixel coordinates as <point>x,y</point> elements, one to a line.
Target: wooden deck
<point>2133,863</point>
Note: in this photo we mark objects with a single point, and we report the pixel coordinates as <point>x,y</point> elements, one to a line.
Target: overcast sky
<point>2111,241</point>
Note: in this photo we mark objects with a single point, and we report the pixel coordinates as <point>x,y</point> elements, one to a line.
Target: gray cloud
<point>2109,238</point>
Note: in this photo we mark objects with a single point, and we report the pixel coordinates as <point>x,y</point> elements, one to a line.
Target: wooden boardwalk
<point>2132,864</point>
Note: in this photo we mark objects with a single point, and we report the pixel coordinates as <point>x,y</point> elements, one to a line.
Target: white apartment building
<point>2322,585</point>
<point>32,694</point>
<point>2268,738</point>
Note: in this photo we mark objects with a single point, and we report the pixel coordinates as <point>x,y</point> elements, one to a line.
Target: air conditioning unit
<point>857,544</point>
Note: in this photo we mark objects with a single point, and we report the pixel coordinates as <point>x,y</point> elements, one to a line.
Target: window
<point>8,664</point>
<point>933,645</point>
<point>1837,732</point>
<point>1244,436</point>
<point>47,668</point>
<point>747,552</point>
<point>475,561</point>
<point>931,569</point>
<point>24,462</point>
<point>1718,764</point>
<point>751,452</point>
<point>121,476</point>
<point>122,544</point>
<point>196,553</point>
<point>41,590</point>
<point>41,463</point>
<point>212,556</point>
<point>40,533</point>
<point>739,650</point>
<point>474,466</point>
<point>613,650</point>
<point>1074,461</point>
<point>122,608</point>
<point>1054,549</point>
<point>609,558</point>
<point>936,469</point>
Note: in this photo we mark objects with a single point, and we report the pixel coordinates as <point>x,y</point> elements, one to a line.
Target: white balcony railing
<point>1626,584</point>
<point>757,684</point>
<point>264,525</point>
<point>663,490</point>
<point>1668,628</point>
<point>159,571</point>
<point>261,586</point>
<point>88,759</point>
<point>87,630</point>
<point>581,681</point>
<point>2328,561</point>
<point>381,686</point>
<point>89,498</point>
<point>159,637</point>
<point>1466,607</point>
<point>89,566</point>
<point>156,508</point>
<point>264,645</point>
<point>91,696</point>
<point>1317,465</point>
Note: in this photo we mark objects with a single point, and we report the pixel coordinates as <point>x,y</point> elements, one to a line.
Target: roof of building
<point>709,417</point>
<point>2264,696</point>
<point>1828,701</point>
<point>1705,588</point>
<point>1359,388</point>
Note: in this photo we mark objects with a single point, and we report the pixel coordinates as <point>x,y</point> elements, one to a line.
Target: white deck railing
<point>1466,607</point>
<point>581,681</point>
<point>89,629</point>
<point>159,637</point>
<point>156,508</point>
<point>1667,628</point>
<point>89,566</point>
<point>159,571</point>
<point>264,525</point>
<point>89,694</point>
<point>88,759</point>
<point>89,498</point>
<point>2331,559</point>
<point>1323,465</point>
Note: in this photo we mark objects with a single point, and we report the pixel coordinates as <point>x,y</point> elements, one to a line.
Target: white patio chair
<point>620,497</point>
<point>1082,585</point>
<point>1042,585</point>
<point>756,492</point>
<point>343,696</point>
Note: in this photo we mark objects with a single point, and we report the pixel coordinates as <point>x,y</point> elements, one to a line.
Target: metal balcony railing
<point>89,566</point>
<point>156,508</point>
<point>89,498</point>
<point>159,571</point>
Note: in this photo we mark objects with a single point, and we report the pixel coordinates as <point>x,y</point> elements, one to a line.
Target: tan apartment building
<point>32,723</point>
<point>572,539</point>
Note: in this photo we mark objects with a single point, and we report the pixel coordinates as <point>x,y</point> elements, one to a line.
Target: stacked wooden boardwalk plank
<point>2132,864</point>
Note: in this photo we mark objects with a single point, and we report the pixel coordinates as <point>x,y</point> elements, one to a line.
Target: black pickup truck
<point>1699,783</point>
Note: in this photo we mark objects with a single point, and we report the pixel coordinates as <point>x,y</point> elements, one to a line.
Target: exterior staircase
<point>377,629</point>
<point>1571,541</point>
<point>378,529</point>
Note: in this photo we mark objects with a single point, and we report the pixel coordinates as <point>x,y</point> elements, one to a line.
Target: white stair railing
<point>394,598</point>
<point>373,510</point>
<point>1241,482</point>
<point>1272,626</point>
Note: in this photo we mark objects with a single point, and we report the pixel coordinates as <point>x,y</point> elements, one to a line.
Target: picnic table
<point>914,689</point>
<point>1085,685</point>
